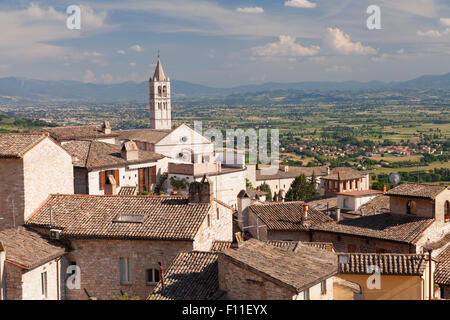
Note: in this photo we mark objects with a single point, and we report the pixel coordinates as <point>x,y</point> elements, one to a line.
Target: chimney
<point>243,201</point>
<point>305,210</point>
<point>130,151</point>
<point>338,214</point>
<point>384,189</point>
<point>106,127</point>
<point>201,192</point>
<point>110,185</point>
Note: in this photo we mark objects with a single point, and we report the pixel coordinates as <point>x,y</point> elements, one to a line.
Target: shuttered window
<point>102,180</point>
<point>152,175</point>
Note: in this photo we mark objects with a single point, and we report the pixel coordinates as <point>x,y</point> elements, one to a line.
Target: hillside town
<point>158,213</point>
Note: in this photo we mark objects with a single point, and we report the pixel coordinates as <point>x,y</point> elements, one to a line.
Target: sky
<point>225,43</point>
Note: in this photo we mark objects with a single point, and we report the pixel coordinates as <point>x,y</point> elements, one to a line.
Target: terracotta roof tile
<point>78,132</point>
<point>155,217</point>
<point>191,276</point>
<point>282,266</point>
<point>293,245</point>
<point>293,172</point>
<point>385,226</point>
<point>428,191</point>
<point>389,264</point>
<point>15,145</point>
<point>344,173</point>
<point>144,135</point>
<point>28,248</point>
<point>442,273</point>
<point>379,204</point>
<point>220,245</point>
<point>287,215</point>
<point>128,191</point>
<point>97,154</point>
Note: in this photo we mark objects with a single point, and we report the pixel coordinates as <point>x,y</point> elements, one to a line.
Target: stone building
<point>342,180</point>
<point>94,161</point>
<point>31,266</point>
<point>402,276</point>
<point>416,217</point>
<point>260,271</point>
<point>32,166</point>
<point>118,241</point>
<point>278,220</point>
<point>284,177</point>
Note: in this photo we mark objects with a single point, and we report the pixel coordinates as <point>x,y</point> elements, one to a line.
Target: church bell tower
<point>160,107</point>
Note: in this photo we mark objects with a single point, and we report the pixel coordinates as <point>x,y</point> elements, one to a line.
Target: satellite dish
<point>394,178</point>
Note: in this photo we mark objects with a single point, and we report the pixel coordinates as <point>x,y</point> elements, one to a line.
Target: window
<point>152,276</point>
<point>209,220</point>
<point>345,203</point>
<point>44,284</point>
<point>125,271</point>
<point>323,287</point>
<point>306,294</point>
<point>218,213</point>
<point>447,211</point>
<point>411,207</point>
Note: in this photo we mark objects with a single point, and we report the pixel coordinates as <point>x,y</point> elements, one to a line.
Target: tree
<point>301,189</point>
<point>248,184</point>
<point>265,187</point>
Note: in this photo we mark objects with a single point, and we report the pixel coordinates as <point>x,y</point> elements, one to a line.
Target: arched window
<point>447,211</point>
<point>411,207</point>
<point>164,91</point>
<point>159,91</point>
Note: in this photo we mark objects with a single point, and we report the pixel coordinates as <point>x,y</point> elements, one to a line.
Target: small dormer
<point>130,151</point>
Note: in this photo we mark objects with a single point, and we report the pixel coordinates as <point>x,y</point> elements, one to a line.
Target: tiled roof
<point>427,191</point>
<point>359,193</point>
<point>442,273</point>
<point>344,174</point>
<point>27,248</point>
<point>322,205</point>
<point>379,204</point>
<point>191,276</point>
<point>88,216</point>
<point>297,270</point>
<point>128,191</point>
<point>293,245</point>
<point>293,172</point>
<point>389,264</point>
<point>385,226</point>
<point>144,135</point>
<point>97,154</point>
<point>287,216</point>
<point>78,132</point>
<point>15,145</point>
<point>251,193</point>
<point>220,245</point>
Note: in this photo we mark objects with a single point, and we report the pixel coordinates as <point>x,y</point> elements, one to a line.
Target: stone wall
<point>13,279</point>
<point>12,192</point>
<point>81,185</point>
<point>242,284</point>
<point>47,170</point>
<point>99,261</point>
<point>341,243</point>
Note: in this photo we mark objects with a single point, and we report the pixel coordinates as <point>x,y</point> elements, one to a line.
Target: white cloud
<point>338,69</point>
<point>342,43</point>
<point>445,21</point>
<point>120,51</point>
<point>132,64</point>
<point>286,46</point>
<point>136,48</point>
<point>250,10</point>
<point>433,33</point>
<point>89,76</point>
<point>300,4</point>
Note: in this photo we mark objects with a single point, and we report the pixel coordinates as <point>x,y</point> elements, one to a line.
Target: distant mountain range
<point>30,90</point>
